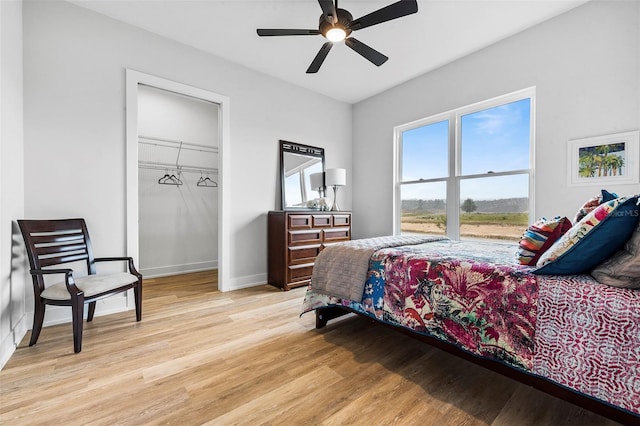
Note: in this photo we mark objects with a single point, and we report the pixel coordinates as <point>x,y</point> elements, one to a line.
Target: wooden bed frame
<point>323,315</point>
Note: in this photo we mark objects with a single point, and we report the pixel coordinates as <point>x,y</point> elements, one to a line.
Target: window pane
<point>423,208</point>
<point>425,152</point>
<point>496,139</point>
<point>494,207</point>
<point>292,189</point>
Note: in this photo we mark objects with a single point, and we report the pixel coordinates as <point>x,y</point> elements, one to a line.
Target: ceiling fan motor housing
<point>344,19</point>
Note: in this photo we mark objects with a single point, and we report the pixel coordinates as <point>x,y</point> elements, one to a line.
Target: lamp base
<point>335,207</point>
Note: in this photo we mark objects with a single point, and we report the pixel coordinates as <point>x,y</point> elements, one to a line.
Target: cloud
<point>498,120</point>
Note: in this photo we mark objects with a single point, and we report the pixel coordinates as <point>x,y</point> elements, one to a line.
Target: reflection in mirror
<point>297,163</point>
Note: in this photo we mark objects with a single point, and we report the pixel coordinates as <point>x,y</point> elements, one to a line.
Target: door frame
<point>133,79</point>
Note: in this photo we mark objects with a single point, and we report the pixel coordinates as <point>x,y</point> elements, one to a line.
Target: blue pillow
<point>596,237</point>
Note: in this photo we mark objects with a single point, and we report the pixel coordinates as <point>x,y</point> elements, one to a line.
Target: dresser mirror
<point>297,163</point>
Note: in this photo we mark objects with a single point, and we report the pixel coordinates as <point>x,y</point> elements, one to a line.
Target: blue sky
<point>495,139</point>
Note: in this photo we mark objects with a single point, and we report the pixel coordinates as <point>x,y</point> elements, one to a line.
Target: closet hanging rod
<point>185,145</point>
<point>185,168</point>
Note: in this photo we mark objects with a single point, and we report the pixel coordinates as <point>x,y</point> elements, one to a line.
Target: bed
<point>568,335</point>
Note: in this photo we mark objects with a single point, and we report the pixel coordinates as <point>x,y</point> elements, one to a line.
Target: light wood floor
<point>245,357</point>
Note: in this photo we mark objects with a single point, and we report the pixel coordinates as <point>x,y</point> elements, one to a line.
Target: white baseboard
<point>248,281</point>
<point>164,271</point>
<point>13,339</point>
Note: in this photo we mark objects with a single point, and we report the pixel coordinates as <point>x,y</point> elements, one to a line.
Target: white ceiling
<point>442,31</point>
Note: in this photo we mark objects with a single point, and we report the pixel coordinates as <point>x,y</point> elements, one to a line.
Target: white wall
<point>585,65</point>
<point>74,93</point>
<point>178,225</point>
<point>13,276</point>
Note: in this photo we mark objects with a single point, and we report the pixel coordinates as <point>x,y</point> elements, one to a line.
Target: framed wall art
<point>608,159</point>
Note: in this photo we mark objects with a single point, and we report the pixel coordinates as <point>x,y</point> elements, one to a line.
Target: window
<point>467,173</point>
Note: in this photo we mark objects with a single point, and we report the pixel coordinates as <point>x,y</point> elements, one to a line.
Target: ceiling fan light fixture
<point>336,34</point>
<point>337,24</point>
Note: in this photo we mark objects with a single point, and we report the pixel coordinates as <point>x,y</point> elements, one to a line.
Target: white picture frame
<point>604,160</point>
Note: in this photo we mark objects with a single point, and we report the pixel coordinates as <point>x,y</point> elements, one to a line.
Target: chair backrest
<point>55,242</point>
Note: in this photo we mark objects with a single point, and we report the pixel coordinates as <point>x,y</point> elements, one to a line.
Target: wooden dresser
<point>296,238</point>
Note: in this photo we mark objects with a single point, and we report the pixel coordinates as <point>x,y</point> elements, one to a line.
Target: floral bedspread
<point>568,329</point>
<point>471,294</point>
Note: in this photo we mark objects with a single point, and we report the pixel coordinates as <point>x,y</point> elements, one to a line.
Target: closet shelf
<point>179,146</point>
<point>181,167</point>
<point>169,143</point>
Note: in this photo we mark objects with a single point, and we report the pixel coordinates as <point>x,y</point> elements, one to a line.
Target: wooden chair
<point>51,243</point>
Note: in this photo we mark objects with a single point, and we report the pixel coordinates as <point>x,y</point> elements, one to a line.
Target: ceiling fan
<point>337,24</point>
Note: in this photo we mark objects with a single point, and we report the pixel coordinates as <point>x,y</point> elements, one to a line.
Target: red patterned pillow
<point>592,203</point>
<point>539,237</point>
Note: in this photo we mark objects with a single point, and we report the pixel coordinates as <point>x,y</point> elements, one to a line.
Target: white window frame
<point>455,159</point>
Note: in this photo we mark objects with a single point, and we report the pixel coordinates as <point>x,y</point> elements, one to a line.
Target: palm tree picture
<point>601,160</point>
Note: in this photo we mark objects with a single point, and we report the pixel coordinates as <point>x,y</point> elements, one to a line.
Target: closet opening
<point>177,183</point>
<point>175,214</point>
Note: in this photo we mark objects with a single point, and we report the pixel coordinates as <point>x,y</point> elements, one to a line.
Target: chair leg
<point>38,319</point>
<point>77,309</point>
<point>137,292</point>
<point>91,311</point>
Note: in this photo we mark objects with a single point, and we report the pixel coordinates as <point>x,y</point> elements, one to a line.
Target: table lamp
<point>335,178</point>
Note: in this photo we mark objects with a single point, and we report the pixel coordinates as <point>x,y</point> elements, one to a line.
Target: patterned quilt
<point>588,338</point>
<point>477,297</point>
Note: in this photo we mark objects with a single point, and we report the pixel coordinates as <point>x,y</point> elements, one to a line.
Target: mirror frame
<point>300,149</point>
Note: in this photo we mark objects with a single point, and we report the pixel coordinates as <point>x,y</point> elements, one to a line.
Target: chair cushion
<point>90,284</point>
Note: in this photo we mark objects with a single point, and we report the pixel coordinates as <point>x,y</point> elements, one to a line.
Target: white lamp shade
<point>336,177</point>
<point>315,179</point>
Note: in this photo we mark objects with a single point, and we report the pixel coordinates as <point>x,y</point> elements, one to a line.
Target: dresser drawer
<point>303,254</point>
<point>341,220</point>
<point>337,234</point>
<point>300,221</point>
<point>299,272</point>
<point>321,220</point>
<point>305,237</point>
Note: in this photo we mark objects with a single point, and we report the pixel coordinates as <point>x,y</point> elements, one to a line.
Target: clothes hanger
<point>170,179</point>
<point>207,182</point>
<point>163,179</point>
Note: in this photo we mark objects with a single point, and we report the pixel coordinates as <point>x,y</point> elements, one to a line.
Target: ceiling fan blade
<point>367,52</point>
<point>319,59</point>
<point>329,11</point>
<point>393,11</point>
<point>285,32</point>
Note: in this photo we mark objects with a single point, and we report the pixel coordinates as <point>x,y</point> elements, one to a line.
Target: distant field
<point>500,226</point>
<point>521,219</point>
